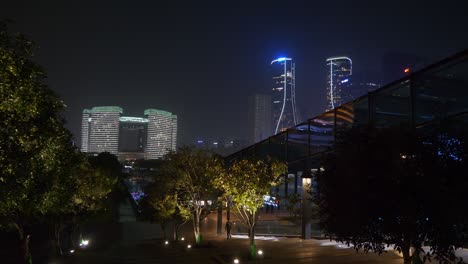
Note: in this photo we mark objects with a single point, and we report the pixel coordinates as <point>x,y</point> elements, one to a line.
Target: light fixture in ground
<point>260,252</point>
<point>189,246</point>
<point>166,242</point>
<point>182,239</point>
<point>84,243</point>
<point>236,261</point>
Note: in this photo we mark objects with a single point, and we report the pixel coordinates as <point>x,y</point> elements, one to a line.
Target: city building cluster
<point>276,111</point>
<point>105,129</point>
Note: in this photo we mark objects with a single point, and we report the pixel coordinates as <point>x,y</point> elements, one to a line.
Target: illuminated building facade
<point>104,129</point>
<point>162,133</point>
<point>339,70</point>
<point>283,96</point>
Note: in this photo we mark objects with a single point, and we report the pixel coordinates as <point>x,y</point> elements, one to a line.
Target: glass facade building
<point>283,96</point>
<point>420,100</point>
<point>339,70</point>
<point>104,129</point>
<point>260,114</point>
<point>162,132</point>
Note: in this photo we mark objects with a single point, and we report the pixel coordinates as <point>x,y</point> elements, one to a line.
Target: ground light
<point>182,239</point>
<point>260,252</point>
<point>166,242</point>
<point>72,251</point>
<point>236,261</point>
<point>84,243</point>
<point>189,246</point>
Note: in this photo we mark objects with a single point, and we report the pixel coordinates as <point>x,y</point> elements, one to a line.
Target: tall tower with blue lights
<point>339,71</point>
<point>283,94</point>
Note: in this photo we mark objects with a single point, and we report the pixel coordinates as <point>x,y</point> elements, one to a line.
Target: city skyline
<point>202,61</point>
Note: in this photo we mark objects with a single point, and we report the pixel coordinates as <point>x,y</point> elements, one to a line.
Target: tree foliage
<point>397,187</point>
<point>245,183</point>
<point>193,172</point>
<point>160,205</point>
<point>41,173</point>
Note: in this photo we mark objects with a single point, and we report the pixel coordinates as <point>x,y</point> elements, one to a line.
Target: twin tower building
<point>275,112</point>
<point>105,129</point>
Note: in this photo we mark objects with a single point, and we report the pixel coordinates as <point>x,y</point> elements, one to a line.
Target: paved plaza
<point>136,245</point>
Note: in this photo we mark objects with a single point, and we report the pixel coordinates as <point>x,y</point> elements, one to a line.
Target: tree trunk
<point>57,229</point>
<point>163,228</point>
<point>26,254</point>
<point>406,254</point>
<point>253,247</point>
<point>196,227</point>
<point>252,235</point>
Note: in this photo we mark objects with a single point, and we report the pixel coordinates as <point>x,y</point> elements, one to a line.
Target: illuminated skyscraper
<point>103,129</point>
<point>85,119</point>
<point>283,96</point>
<point>162,133</point>
<point>339,70</point>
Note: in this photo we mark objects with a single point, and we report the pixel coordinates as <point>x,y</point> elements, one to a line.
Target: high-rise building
<point>283,96</point>
<point>85,119</point>
<point>174,132</point>
<point>260,121</point>
<point>104,129</point>
<point>339,70</point>
<point>132,134</point>
<point>162,130</point>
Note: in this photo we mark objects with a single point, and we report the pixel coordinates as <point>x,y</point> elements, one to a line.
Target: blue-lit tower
<point>283,96</point>
<point>339,70</point>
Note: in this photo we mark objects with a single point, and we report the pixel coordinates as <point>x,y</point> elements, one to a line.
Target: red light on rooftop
<point>406,70</point>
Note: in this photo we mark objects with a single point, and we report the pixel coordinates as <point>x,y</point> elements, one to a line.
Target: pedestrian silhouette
<point>228,229</point>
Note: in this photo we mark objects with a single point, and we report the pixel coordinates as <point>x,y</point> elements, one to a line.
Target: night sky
<point>202,60</point>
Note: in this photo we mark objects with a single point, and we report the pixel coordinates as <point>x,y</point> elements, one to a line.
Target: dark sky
<point>201,60</point>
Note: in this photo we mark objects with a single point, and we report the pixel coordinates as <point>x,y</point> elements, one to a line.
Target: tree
<point>193,171</point>
<point>80,190</point>
<point>160,205</point>
<point>33,141</point>
<point>41,174</point>
<point>399,187</point>
<point>246,182</point>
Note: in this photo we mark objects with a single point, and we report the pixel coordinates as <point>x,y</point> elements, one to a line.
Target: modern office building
<point>283,95</point>
<point>162,130</point>
<point>423,100</point>
<point>339,69</point>
<point>260,117</point>
<point>104,129</point>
